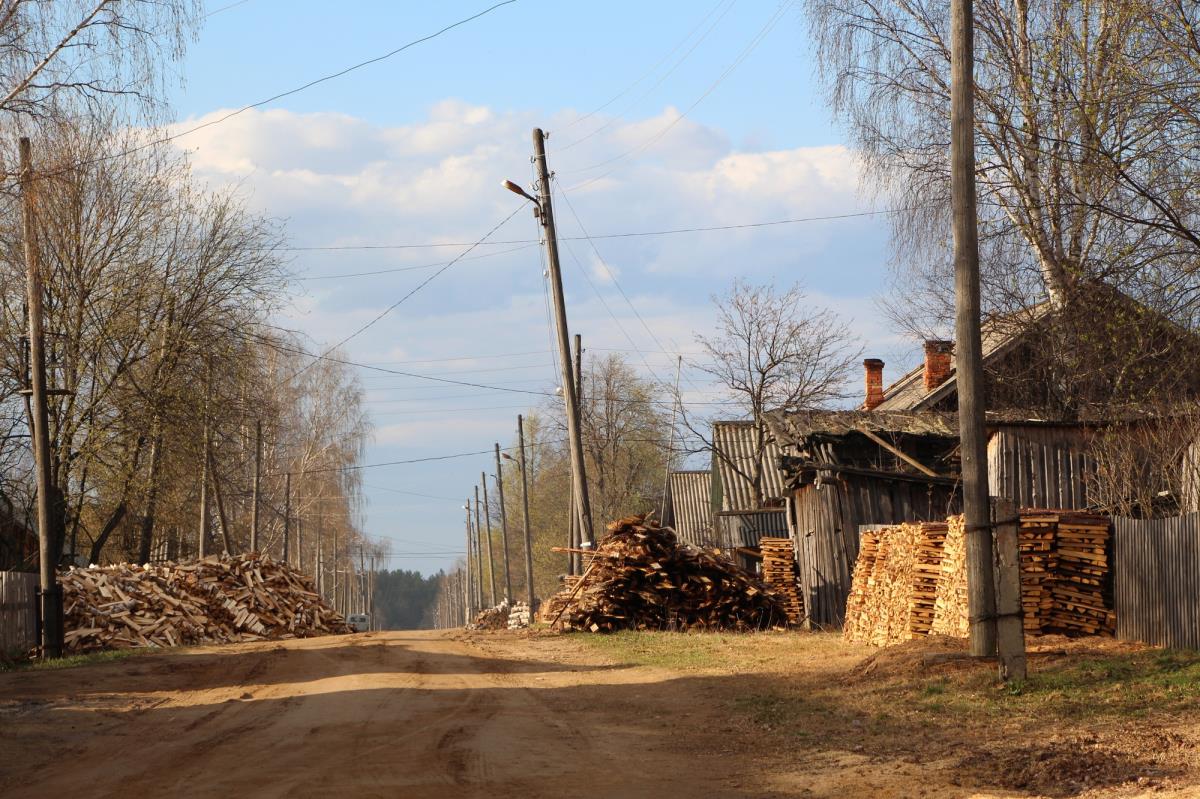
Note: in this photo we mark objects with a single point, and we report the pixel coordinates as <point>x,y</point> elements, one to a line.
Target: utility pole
<point>319,558</point>
<point>51,592</point>
<point>503,526</point>
<point>202,549</point>
<point>486,536</point>
<point>300,543</point>
<point>583,507</point>
<point>287,514</point>
<point>487,524</point>
<point>525,504</point>
<point>472,594</point>
<point>573,536</point>
<point>336,582</point>
<point>257,481</point>
<point>981,593</point>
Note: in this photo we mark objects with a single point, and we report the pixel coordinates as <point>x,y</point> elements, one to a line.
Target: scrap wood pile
<point>225,599</point>
<point>493,618</point>
<point>642,578</point>
<point>910,580</point>
<point>519,616</point>
<point>780,574</point>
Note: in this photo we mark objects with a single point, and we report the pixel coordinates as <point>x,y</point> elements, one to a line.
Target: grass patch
<point>76,661</point>
<point>681,651</point>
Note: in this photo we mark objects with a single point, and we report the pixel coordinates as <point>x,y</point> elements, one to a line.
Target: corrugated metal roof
<point>998,335</point>
<point>691,505</point>
<point>735,441</point>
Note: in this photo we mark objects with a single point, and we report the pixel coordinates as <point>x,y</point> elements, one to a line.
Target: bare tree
<point>771,351</point>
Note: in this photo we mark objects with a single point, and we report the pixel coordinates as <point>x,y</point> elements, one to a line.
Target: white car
<point>359,622</point>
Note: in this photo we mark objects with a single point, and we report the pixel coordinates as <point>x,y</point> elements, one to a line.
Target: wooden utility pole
<point>51,592</point>
<point>257,482</point>
<point>525,506</point>
<point>156,446</point>
<point>981,595</point>
<point>583,507</point>
<point>573,536</point>
<point>202,548</point>
<point>300,543</point>
<point>472,586</point>
<point>487,525</point>
<point>1010,617</point>
<point>287,515</point>
<point>508,592</point>
<point>319,558</point>
<point>336,581</point>
<point>226,544</point>
<point>485,534</point>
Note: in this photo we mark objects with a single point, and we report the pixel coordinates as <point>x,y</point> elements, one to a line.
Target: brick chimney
<point>938,362</point>
<point>873,367</point>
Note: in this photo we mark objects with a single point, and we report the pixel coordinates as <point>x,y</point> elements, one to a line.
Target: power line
<point>412,268</point>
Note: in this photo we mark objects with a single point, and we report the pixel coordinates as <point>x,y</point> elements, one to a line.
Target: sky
<point>662,116</point>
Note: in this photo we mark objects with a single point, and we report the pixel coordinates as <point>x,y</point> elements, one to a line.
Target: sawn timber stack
<point>781,575</point>
<point>223,599</point>
<point>642,578</point>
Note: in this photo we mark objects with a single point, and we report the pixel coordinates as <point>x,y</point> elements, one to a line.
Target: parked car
<point>359,622</point>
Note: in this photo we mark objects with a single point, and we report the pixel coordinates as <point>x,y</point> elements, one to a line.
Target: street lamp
<point>515,189</point>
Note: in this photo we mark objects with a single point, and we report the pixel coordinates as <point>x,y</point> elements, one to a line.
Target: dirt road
<point>408,714</point>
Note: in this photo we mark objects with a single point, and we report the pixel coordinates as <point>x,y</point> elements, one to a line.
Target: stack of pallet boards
<point>911,579</point>
<point>780,573</point>
<point>1077,602</point>
<point>215,600</point>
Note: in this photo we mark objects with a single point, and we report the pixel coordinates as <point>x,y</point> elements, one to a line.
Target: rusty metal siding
<point>828,518</point>
<point>1040,466</point>
<point>691,506</point>
<point>736,441</point>
<point>18,611</point>
<point>1156,580</point>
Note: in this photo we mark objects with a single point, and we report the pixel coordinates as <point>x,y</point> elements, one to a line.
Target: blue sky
<point>411,151</point>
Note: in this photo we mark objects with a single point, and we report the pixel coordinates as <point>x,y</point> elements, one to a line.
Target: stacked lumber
<point>642,578</point>
<point>1038,565</point>
<point>780,574</point>
<point>930,538</point>
<point>888,604</point>
<point>858,623</point>
<point>520,616</point>
<point>1077,592</point>
<point>950,607</point>
<point>222,599</point>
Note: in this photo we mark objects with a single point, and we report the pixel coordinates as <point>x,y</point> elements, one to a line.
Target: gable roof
<point>691,504</point>
<point>735,440</point>
<point>998,335</point>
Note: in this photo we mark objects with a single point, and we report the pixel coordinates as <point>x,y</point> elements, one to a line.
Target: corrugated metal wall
<point>691,506</point>
<point>827,521</point>
<point>1156,580</point>
<point>745,529</point>
<point>1040,467</point>
<point>735,440</point>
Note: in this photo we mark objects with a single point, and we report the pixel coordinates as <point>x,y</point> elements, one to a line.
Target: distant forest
<point>404,599</point>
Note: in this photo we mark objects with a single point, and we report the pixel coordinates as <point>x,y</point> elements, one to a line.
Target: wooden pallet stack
<point>642,578</point>
<point>1077,592</point>
<point>950,607</point>
<point>858,624</point>
<point>779,572</point>
<point>222,599</point>
<point>927,572</point>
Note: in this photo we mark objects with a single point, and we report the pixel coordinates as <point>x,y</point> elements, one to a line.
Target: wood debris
<point>911,579</point>
<point>222,599</point>
<point>780,574</point>
<point>519,616</point>
<point>493,618</point>
<point>642,578</point>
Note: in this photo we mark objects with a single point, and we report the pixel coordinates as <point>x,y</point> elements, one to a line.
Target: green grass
<point>681,651</point>
<point>75,661</point>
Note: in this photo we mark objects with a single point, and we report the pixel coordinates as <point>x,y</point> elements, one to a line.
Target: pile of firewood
<point>519,616</point>
<point>216,600</point>
<point>917,573</point>
<point>780,574</point>
<point>493,618</point>
<point>642,578</point>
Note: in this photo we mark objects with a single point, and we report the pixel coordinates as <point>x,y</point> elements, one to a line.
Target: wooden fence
<point>1156,580</point>
<point>18,611</point>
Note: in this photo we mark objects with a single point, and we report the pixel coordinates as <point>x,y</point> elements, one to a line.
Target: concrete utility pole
<point>525,505</point>
<point>583,507</point>
<point>287,514</point>
<point>981,593</point>
<point>257,482</point>
<point>508,592</point>
<point>51,592</point>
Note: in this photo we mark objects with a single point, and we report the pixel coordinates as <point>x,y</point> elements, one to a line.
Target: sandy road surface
<point>408,714</point>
